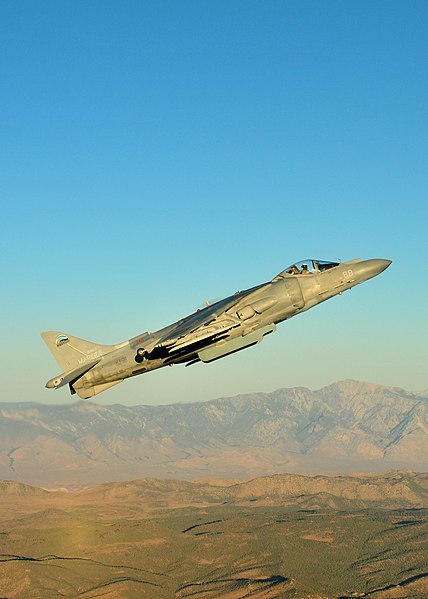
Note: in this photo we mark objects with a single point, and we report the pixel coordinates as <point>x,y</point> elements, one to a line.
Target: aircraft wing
<point>204,323</point>
<point>205,332</point>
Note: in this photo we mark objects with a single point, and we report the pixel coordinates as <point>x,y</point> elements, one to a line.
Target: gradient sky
<point>158,154</point>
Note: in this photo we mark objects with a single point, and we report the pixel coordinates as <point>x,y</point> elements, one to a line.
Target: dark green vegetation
<point>172,539</point>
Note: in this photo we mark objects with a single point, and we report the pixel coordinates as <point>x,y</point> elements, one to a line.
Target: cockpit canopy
<point>308,267</point>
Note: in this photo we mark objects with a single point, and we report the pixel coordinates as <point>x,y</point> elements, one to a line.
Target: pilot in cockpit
<point>305,270</point>
<point>293,270</point>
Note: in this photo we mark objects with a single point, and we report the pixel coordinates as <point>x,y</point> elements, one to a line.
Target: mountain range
<point>347,426</point>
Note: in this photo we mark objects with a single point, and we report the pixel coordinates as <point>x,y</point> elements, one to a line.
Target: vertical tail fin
<point>71,352</point>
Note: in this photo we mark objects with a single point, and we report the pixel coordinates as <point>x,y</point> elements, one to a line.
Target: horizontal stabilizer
<point>72,375</point>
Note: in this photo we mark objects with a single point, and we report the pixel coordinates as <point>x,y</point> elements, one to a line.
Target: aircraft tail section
<point>71,352</point>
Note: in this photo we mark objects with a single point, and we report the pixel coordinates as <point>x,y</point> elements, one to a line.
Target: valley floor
<point>142,541</point>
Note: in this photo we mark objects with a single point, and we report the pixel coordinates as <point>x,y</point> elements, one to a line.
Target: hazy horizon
<point>71,399</point>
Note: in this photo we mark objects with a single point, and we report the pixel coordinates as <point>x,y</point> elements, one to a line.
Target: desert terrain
<point>218,500</point>
<point>272,537</point>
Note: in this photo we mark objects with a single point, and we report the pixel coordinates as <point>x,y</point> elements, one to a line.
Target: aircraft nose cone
<point>379,265</point>
<point>374,267</point>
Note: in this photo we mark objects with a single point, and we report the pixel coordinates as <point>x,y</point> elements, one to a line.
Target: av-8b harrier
<point>220,329</point>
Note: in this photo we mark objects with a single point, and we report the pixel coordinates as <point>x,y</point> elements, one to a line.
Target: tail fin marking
<point>71,352</point>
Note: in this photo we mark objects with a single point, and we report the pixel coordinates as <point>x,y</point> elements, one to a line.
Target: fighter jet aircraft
<point>218,330</point>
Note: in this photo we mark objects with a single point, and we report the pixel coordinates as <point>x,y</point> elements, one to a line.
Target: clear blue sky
<point>158,154</point>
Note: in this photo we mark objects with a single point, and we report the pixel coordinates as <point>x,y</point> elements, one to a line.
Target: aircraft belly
<point>86,392</point>
<point>224,348</point>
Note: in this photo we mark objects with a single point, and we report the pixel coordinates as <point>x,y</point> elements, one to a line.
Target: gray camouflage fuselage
<point>220,329</point>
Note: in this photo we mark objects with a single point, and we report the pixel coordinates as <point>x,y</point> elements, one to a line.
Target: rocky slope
<point>390,490</point>
<point>386,490</point>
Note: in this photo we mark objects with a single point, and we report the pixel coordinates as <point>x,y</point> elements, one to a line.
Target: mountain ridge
<point>346,426</point>
<point>394,489</point>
